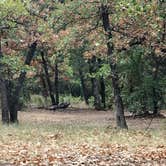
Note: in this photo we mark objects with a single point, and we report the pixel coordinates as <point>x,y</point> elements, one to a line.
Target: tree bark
<point>120,118</point>
<point>56,84</point>
<point>95,86</point>
<point>83,87</point>
<point>44,87</point>
<point>45,66</point>
<point>96,94</point>
<point>102,86</point>
<point>14,101</point>
<point>4,99</point>
<point>102,91</point>
<point>155,79</point>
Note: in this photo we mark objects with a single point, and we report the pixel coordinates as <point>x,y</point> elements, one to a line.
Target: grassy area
<point>38,141</point>
<point>80,133</point>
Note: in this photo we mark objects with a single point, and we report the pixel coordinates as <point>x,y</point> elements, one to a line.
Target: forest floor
<point>82,137</point>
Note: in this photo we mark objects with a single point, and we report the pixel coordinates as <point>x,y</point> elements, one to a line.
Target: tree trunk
<point>102,86</point>
<point>4,99</point>
<point>102,91</point>
<point>14,101</point>
<point>155,93</point>
<point>56,84</point>
<point>83,87</point>
<point>44,87</point>
<point>155,102</point>
<point>96,94</point>
<point>120,118</point>
<point>95,86</point>
<point>51,93</point>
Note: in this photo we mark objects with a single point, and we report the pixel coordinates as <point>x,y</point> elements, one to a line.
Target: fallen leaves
<point>80,154</point>
<point>157,155</point>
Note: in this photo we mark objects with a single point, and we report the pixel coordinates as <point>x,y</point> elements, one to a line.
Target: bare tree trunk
<point>4,102</point>
<point>56,84</point>
<point>120,118</point>
<point>102,86</point>
<point>102,91</point>
<point>95,85</point>
<point>44,87</point>
<point>96,94</point>
<point>51,93</point>
<point>4,99</point>
<point>83,87</point>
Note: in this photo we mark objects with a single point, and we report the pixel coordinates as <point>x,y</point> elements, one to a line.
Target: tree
<point>45,66</point>
<point>4,100</point>
<point>120,119</point>
<point>10,100</point>
<point>104,15</point>
<point>93,66</point>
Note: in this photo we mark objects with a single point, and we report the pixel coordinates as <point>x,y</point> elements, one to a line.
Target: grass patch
<point>80,133</point>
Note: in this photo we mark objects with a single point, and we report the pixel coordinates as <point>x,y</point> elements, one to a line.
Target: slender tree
<point>56,84</point>
<point>93,66</point>
<point>4,99</point>
<point>120,118</point>
<point>45,66</point>
<point>102,85</point>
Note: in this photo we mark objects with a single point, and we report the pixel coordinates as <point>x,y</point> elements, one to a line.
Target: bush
<point>39,101</point>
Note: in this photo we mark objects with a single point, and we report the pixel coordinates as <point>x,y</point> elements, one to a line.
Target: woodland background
<point>75,70</point>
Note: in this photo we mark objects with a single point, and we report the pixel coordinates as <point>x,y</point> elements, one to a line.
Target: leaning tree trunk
<point>120,118</point>
<point>14,101</point>
<point>51,93</point>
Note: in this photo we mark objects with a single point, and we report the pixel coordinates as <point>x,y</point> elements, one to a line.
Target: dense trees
<point>107,50</point>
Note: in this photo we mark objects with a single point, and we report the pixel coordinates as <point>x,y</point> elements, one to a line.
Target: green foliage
<point>11,9</point>
<point>138,83</point>
<point>91,101</point>
<point>14,65</point>
<point>103,71</point>
<point>38,101</point>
